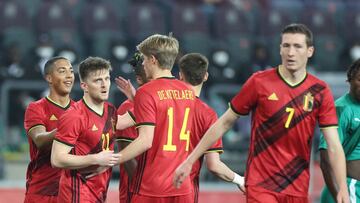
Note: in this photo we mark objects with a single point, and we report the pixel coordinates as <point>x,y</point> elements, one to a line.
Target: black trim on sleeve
<point>329,125</point>
<point>132,115</point>
<point>36,125</point>
<point>63,142</point>
<point>235,111</point>
<point>144,123</point>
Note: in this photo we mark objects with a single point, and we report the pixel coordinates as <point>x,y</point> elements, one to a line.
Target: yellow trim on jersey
<point>288,82</point>
<point>35,126</point>
<point>212,151</point>
<point>58,103</point>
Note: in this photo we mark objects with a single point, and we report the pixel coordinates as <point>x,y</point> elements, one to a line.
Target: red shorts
<point>34,198</point>
<point>258,194</point>
<point>136,198</point>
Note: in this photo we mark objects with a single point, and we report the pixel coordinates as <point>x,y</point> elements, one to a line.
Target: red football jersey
<point>283,123</point>
<point>168,104</point>
<point>88,133</point>
<point>204,117</point>
<point>126,135</point>
<point>41,178</point>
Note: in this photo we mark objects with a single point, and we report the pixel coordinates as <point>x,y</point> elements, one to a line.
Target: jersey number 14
<point>184,133</point>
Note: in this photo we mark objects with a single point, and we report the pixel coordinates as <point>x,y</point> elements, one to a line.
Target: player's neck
<point>160,73</point>
<point>292,76</point>
<point>197,89</point>
<point>97,106</point>
<point>59,99</point>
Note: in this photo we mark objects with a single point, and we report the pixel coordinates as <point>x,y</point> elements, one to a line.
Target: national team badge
<point>308,102</point>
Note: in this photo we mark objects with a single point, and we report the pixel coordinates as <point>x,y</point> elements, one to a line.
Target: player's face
<point>61,78</point>
<point>97,85</point>
<point>355,86</point>
<point>294,51</point>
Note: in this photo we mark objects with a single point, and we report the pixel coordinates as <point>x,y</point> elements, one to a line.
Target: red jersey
<point>126,135</point>
<point>168,104</point>
<point>41,178</point>
<point>203,119</point>
<point>88,133</point>
<point>283,123</point>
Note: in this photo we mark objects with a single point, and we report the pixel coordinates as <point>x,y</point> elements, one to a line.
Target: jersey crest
<point>308,102</point>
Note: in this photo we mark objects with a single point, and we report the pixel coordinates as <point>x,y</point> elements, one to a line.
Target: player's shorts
<point>136,198</point>
<point>34,198</point>
<point>259,195</point>
<point>354,192</point>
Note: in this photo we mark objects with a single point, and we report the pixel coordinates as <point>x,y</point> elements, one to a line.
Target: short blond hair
<point>164,48</point>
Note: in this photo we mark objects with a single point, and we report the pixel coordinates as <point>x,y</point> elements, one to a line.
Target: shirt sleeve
<point>245,100</point>
<point>144,108</point>
<point>69,130</point>
<point>327,111</point>
<point>217,146</point>
<point>34,116</point>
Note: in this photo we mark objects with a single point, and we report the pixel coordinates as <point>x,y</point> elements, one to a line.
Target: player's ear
<point>181,76</point>
<point>48,78</point>
<point>84,86</point>
<point>310,51</point>
<point>206,76</point>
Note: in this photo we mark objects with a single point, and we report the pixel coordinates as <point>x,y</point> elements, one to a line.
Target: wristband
<point>238,179</point>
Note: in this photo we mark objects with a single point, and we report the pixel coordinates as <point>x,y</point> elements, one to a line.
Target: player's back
<point>41,177</point>
<point>168,104</point>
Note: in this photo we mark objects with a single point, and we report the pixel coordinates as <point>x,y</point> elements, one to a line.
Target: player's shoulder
<point>203,107</point>
<point>126,105</point>
<point>37,105</point>
<point>312,78</point>
<point>267,74</point>
<point>77,109</point>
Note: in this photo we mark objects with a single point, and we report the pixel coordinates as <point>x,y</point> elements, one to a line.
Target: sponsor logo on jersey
<point>273,97</point>
<point>94,128</point>
<point>53,118</point>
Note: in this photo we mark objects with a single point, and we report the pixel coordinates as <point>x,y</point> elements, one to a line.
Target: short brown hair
<point>194,67</point>
<point>295,28</point>
<point>163,48</point>
<point>92,64</point>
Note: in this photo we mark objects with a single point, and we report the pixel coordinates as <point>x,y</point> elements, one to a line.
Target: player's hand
<point>107,158</point>
<point>242,189</point>
<point>343,196</point>
<point>125,87</point>
<point>181,173</point>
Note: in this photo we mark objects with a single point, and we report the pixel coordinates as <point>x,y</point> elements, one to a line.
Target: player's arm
<point>139,145</point>
<point>221,170</point>
<point>130,165</point>
<point>215,132</point>
<point>328,173</point>
<point>125,121</point>
<point>41,137</point>
<point>337,162</point>
<point>60,157</point>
